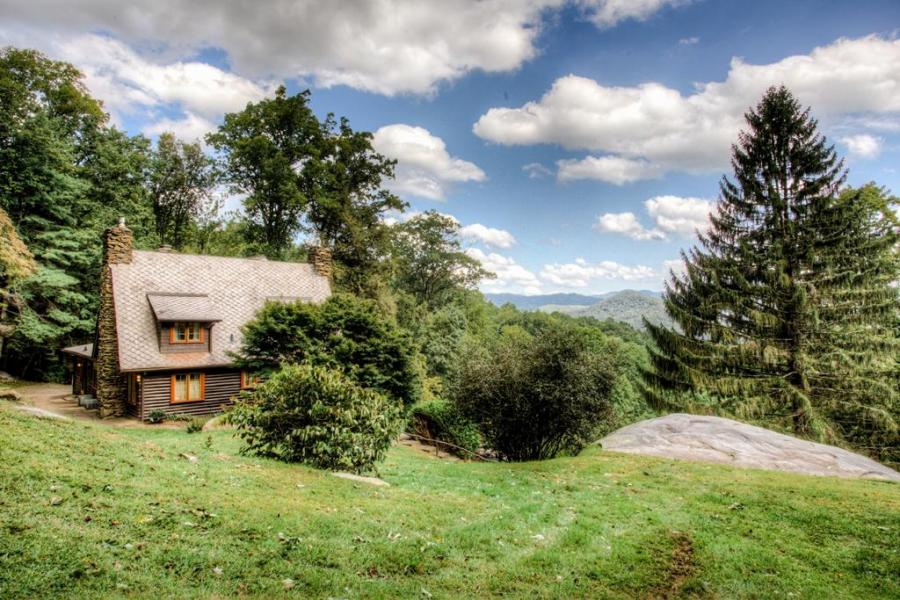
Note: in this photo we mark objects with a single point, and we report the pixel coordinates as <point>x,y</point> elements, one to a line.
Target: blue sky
<point>579,143</point>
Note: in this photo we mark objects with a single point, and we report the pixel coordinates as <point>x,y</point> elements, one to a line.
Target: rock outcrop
<point>718,440</point>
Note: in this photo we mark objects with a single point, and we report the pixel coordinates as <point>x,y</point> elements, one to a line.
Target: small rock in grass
<point>10,395</point>
<point>218,570</point>
<point>362,478</point>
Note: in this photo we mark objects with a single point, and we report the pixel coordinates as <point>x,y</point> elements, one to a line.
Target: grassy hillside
<point>91,512</point>
<point>628,306</point>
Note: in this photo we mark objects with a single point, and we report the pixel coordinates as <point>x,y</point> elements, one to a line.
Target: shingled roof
<point>233,289</point>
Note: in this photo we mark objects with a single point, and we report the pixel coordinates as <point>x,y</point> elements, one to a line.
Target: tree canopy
<point>302,174</point>
<point>429,261</point>
<point>788,309</point>
<point>344,332</point>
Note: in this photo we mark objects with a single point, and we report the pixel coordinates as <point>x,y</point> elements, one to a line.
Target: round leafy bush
<point>534,397</point>
<point>442,421</point>
<point>318,416</point>
<point>343,332</point>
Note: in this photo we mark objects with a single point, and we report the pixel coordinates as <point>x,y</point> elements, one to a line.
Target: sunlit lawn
<point>88,511</point>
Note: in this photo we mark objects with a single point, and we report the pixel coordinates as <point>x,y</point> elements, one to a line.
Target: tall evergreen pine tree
<point>786,311</point>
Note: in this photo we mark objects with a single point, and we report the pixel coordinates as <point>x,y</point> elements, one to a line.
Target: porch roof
<point>82,351</point>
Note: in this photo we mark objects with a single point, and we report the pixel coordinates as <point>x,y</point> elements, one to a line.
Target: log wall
<point>221,387</point>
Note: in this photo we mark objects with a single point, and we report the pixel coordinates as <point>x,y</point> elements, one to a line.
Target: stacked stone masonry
<point>111,384</point>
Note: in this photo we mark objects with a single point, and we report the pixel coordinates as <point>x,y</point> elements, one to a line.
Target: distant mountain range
<point>627,306</point>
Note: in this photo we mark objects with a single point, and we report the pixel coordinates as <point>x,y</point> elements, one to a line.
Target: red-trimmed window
<point>187,387</point>
<point>249,380</point>
<point>187,333</point>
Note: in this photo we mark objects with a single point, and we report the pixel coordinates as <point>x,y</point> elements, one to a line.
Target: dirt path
<point>56,400</point>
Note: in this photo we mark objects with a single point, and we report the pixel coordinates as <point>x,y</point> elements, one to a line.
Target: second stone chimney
<point>320,258</point>
<point>118,244</point>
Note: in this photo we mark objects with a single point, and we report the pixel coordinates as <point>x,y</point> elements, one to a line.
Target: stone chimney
<point>320,258</point>
<point>118,243</point>
<point>112,388</point>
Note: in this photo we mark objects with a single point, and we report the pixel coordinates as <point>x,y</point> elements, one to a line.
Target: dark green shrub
<point>195,425</point>
<point>344,332</point>
<point>156,416</point>
<point>318,416</point>
<point>442,421</point>
<point>534,397</point>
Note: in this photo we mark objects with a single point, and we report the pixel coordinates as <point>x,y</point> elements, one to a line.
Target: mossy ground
<point>87,511</point>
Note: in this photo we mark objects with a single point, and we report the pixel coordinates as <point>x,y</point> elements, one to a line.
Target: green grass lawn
<point>87,511</point>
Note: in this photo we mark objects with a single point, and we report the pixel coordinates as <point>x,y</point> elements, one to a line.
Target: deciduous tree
<point>181,181</point>
<point>429,261</point>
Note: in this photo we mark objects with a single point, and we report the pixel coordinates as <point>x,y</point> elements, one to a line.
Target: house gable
<point>157,289</point>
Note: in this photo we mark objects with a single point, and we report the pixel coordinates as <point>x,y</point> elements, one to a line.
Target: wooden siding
<point>221,387</point>
<point>167,347</point>
<point>133,408</point>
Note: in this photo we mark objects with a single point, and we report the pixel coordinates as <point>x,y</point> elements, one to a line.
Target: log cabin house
<point>169,325</point>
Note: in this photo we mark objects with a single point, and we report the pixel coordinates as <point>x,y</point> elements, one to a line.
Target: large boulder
<point>718,440</point>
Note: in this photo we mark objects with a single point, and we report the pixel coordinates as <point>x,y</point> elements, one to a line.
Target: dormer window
<point>187,333</point>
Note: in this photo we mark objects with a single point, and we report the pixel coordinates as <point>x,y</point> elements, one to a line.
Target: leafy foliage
<point>348,203</point>
<point>181,182</point>
<point>429,261</point>
<point>442,421</point>
<point>787,311</point>
<point>343,332</point>
<point>317,415</point>
<point>65,175</point>
<point>534,397</point>
<point>263,146</point>
<point>302,174</point>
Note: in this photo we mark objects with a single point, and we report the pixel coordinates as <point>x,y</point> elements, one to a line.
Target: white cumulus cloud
<point>626,223</point>
<point>425,169</point>
<point>128,82</point>
<point>382,46</point>
<point>189,128</point>
<point>606,13</point>
<point>863,145</point>
<point>611,169</point>
<point>511,276</point>
<point>489,236</point>
<point>670,214</point>
<point>678,215</point>
<point>669,131</point>
<point>581,274</point>
<point>535,170</point>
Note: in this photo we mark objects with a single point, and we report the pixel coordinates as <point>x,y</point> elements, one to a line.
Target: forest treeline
<point>787,314</point>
